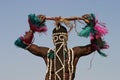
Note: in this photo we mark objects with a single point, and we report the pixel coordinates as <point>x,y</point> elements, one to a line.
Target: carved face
<point>60,35</point>
<point>60,38</point>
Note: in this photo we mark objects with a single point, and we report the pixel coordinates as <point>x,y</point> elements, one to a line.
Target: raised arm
<point>95,31</point>
<point>25,42</point>
<point>83,50</point>
<point>38,51</point>
<point>36,24</point>
<point>88,49</point>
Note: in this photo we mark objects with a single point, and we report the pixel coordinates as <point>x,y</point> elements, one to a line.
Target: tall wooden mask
<point>59,38</point>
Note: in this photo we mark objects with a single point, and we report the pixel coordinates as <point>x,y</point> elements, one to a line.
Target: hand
<point>37,23</point>
<point>42,18</point>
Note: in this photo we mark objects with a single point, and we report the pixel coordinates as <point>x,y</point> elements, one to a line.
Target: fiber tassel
<point>89,19</point>
<point>100,45</point>
<point>36,24</point>
<point>101,53</point>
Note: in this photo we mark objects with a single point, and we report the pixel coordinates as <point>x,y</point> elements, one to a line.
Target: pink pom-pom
<point>101,31</point>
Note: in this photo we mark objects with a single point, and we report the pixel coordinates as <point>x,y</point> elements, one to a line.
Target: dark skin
<point>79,51</point>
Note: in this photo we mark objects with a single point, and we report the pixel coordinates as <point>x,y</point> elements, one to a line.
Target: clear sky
<point>19,64</point>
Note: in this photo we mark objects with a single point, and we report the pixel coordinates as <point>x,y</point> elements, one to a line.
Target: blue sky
<point>18,64</point>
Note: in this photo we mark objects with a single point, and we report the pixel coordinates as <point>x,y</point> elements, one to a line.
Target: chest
<point>60,63</point>
<point>54,61</point>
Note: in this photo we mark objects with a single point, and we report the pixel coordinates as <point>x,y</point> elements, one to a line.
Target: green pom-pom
<point>35,20</point>
<point>19,43</point>
<point>85,32</point>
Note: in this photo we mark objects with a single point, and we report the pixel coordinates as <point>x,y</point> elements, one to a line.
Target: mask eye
<point>55,38</point>
<point>61,37</point>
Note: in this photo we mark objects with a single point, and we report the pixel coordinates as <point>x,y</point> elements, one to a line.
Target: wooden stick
<point>70,19</point>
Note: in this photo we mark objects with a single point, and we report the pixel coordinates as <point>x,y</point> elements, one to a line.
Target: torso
<point>70,66</point>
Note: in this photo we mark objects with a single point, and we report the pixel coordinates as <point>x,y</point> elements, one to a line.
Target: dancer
<point>61,61</point>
